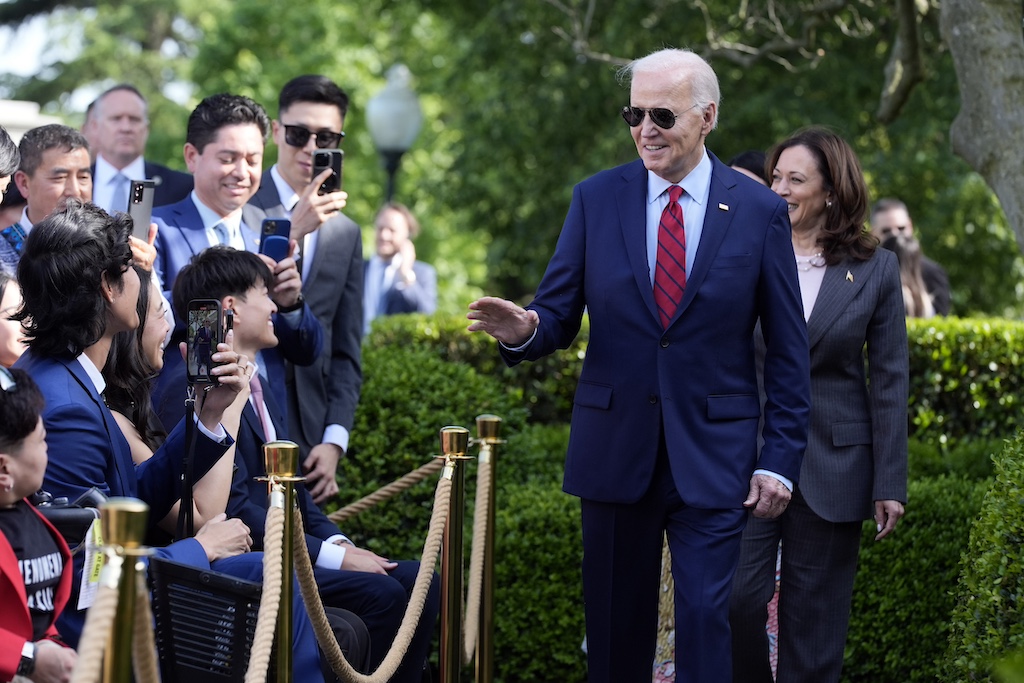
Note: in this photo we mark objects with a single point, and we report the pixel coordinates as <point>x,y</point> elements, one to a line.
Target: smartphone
<point>140,207</point>
<point>204,331</point>
<point>275,234</point>
<point>332,159</point>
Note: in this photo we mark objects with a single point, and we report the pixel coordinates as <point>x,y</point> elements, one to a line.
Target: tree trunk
<point>986,41</point>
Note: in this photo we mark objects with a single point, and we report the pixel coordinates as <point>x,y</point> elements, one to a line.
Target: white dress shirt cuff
<point>785,482</point>
<point>517,349</point>
<point>219,436</point>
<point>337,435</point>
<point>331,555</point>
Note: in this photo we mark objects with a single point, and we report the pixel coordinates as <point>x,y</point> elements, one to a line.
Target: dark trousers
<point>622,547</point>
<point>380,602</point>
<point>819,564</point>
<point>353,639</point>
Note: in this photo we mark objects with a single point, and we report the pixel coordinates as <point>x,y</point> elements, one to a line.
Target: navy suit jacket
<point>170,185</point>
<point>86,448</point>
<point>182,235</point>
<point>248,499</point>
<point>329,388</point>
<point>694,382</point>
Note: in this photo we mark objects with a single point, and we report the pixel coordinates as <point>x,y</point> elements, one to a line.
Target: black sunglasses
<point>7,382</point>
<point>298,136</point>
<point>662,118</point>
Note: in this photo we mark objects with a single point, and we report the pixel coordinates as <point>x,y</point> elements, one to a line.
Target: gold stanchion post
<point>454,444</point>
<point>281,459</point>
<point>488,428</point>
<point>123,527</point>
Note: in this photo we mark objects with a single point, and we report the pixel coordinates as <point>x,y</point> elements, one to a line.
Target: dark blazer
<point>857,442</point>
<point>181,235</point>
<point>169,185</point>
<point>15,620</point>
<point>419,297</point>
<point>936,281</point>
<point>334,291</point>
<point>694,381</point>
<point>86,448</point>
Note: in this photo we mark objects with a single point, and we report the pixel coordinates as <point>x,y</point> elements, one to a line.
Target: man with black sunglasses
<point>311,115</point>
<point>675,257</point>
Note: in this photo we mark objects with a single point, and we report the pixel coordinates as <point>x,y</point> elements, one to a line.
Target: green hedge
<point>988,621</point>
<point>903,592</point>
<point>970,459</point>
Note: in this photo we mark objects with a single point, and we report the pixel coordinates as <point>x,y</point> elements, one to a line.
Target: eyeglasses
<point>662,118</point>
<point>298,136</point>
<point>6,379</point>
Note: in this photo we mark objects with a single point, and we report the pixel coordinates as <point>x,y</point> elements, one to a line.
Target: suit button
<point>664,343</point>
<point>653,399</point>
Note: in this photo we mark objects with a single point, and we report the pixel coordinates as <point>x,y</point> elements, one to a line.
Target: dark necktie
<point>670,265</point>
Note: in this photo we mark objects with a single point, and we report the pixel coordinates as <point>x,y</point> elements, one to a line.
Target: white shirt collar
<point>105,171</point>
<point>25,223</point>
<point>93,372</point>
<point>289,197</point>
<point>695,184</point>
<point>210,218</point>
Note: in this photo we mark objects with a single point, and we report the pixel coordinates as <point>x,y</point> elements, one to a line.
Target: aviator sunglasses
<point>662,118</point>
<point>298,136</point>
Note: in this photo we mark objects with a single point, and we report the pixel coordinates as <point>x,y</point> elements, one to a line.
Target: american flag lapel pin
<point>723,207</point>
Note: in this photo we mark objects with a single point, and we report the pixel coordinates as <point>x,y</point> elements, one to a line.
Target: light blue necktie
<point>223,234</point>
<point>119,199</point>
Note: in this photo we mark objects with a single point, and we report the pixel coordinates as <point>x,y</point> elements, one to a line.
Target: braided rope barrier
<point>414,610</point>
<point>270,601</point>
<point>99,623</point>
<point>476,561</point>
<point>403,483</point>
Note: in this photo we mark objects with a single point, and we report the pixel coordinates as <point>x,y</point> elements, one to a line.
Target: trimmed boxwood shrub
<point>971,459</point>
<point>988,621</point>
<point>903,592</point>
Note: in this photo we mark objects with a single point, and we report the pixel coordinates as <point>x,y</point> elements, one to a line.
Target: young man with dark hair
<point>54,164</point>
<point>117,127</point>
<point>311,115</point>
<point>224,151</point>
<point>374,588</point>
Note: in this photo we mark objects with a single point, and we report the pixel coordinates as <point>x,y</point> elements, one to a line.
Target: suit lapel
<point>124,466</point>
<point>632,199</point>
<point>840,285</point>
<point>191,226</point>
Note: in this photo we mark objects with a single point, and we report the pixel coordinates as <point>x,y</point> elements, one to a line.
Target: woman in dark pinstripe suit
<point>855,465</point>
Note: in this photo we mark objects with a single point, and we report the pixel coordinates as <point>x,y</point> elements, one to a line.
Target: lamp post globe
<point>394,118</point>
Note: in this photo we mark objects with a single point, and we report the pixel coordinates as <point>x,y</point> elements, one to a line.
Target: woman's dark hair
<point>844,232</point>
<point>128,373</point>
<point>20,408</point>
<point>916,300</point>
<point>752,160</point>
<point>66,256</point>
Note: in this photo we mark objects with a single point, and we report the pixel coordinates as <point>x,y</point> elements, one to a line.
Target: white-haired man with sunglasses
<point>675,257</point>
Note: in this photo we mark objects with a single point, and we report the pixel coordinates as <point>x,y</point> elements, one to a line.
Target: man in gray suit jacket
<point>311,114</point>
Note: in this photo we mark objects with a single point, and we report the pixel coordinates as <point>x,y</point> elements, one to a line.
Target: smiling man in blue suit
<point>674,257</point>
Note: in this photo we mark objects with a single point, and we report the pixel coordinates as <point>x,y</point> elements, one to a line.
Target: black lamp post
<point>394,118</point>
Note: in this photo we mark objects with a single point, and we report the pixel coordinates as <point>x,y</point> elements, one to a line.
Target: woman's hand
<point>887,513</point>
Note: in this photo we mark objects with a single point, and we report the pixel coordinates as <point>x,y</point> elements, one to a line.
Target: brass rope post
<point>281,459</point>
<point>123,524</point>
<point>454,443</point>
<point>143,641</point>
<point>488,429</point>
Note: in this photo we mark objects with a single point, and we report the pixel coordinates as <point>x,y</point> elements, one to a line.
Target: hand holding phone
<point>204,331</point>
<point>332,159</point>
<point>275,235</point>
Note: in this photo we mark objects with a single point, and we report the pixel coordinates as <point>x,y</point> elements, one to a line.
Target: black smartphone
<point>140,207</point>
<point>275,234</point>
<point>204,331</point>
<point>332,159</point>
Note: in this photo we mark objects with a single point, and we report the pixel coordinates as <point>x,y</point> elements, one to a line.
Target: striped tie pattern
<point>670,267</point>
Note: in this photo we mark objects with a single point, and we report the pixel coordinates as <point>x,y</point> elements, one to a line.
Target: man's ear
<point>190,152</point>
<point>107,289</point>
<point>228,302</point>
<point>21,180</point>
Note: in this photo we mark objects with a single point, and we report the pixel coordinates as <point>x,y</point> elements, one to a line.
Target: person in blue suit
<point>79,291</point>
<point>674,257</point>
<point>376,589</point>
<point>224,151</point>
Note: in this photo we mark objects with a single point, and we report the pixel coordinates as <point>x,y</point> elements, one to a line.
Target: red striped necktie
<point>670,267</point>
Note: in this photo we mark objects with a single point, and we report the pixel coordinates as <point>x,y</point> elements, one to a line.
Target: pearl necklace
<point>805,263</point>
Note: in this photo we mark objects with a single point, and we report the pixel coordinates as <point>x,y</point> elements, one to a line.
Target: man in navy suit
<point>224,150</point>
<point>674,257</point>
<point>117,127</point>
<point>311,115</point>
<point>396,282</point>
<point>374,588</point>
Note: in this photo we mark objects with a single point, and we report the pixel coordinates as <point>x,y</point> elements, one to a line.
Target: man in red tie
<point>674,257</point>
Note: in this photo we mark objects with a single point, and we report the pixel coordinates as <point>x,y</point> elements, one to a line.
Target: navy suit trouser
<point>622,548</point>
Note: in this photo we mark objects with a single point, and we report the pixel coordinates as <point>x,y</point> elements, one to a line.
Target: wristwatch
<point>28,660</point>
<point>294,307</point>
